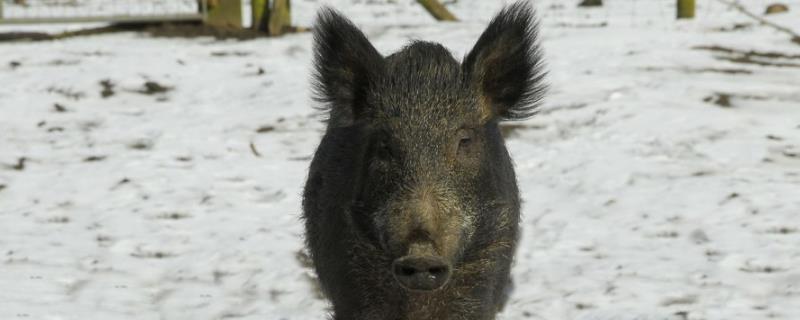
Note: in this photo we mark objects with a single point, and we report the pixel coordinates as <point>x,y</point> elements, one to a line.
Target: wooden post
<point>280,17</point>
<point>438,11</point>
<point>225,13</point>
<point>261,12</point>
<point>685,9</point>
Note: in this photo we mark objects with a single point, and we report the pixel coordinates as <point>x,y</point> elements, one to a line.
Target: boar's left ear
<point>506,64</point>
<point>345,64</point>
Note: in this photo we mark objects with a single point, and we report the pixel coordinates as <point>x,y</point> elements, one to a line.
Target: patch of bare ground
<point>19,165</point>
<point>265,129</point>
<point>734,27</point>
<point>94,158</point>
<point>725,99</point>
<point>753,57</point>
<point>782,230</point>
<point>108,88</point>
<point>141,144</point>
<point>761,268</point>
<point>169,30</point>
<point>750,60</point>
<point>68,93</point>
<point>582,25</point>
<point>152,87</point>
<point>231,53</point>
<point>720,99</point>
<point>155,254</point>
<point>732,71</point>
<point>173,216</point>
<point>194,30</point>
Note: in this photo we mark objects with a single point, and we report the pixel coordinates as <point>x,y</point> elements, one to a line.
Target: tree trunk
<point>437,10</point>
<point>685,9</point>
<point>280,17</point>
<point>225,13</point>
<point>260,10</point>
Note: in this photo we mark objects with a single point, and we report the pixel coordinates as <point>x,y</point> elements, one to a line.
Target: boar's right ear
<point>345,65</point>
<point>505,66</point>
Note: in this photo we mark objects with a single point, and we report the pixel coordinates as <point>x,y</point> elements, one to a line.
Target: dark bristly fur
<point>413,171</point>
<point>509,62</point>
<point>344,62</point>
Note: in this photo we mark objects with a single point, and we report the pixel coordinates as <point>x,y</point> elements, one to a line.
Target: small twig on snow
<point>738,6</point>
<point>254,150</point>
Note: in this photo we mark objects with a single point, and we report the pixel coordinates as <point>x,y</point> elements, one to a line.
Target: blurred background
<point>153,153</point>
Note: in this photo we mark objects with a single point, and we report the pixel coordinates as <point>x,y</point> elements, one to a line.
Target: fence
<point>61,11</point>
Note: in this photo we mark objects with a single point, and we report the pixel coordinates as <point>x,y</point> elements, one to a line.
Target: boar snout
<point>421,273</point>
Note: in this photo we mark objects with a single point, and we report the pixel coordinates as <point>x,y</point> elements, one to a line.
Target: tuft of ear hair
<point>345,63</point>
<point>506,64</point>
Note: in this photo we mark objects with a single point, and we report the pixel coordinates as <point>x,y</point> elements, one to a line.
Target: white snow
<point>78,8</point>
<point>642,201</point>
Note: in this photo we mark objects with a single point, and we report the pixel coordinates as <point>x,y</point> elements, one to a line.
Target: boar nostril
<point>406,271</point>
<point>424,273</point>
<point>437,270</point>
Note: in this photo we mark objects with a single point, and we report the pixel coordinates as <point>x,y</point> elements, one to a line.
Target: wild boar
<point>411,205</point>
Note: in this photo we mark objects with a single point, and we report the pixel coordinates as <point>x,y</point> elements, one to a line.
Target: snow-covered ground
<point>82,8</point>
<point>647,196</point>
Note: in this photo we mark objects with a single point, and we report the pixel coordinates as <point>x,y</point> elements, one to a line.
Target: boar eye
<point>465,141</point>
<point>466,138</point>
